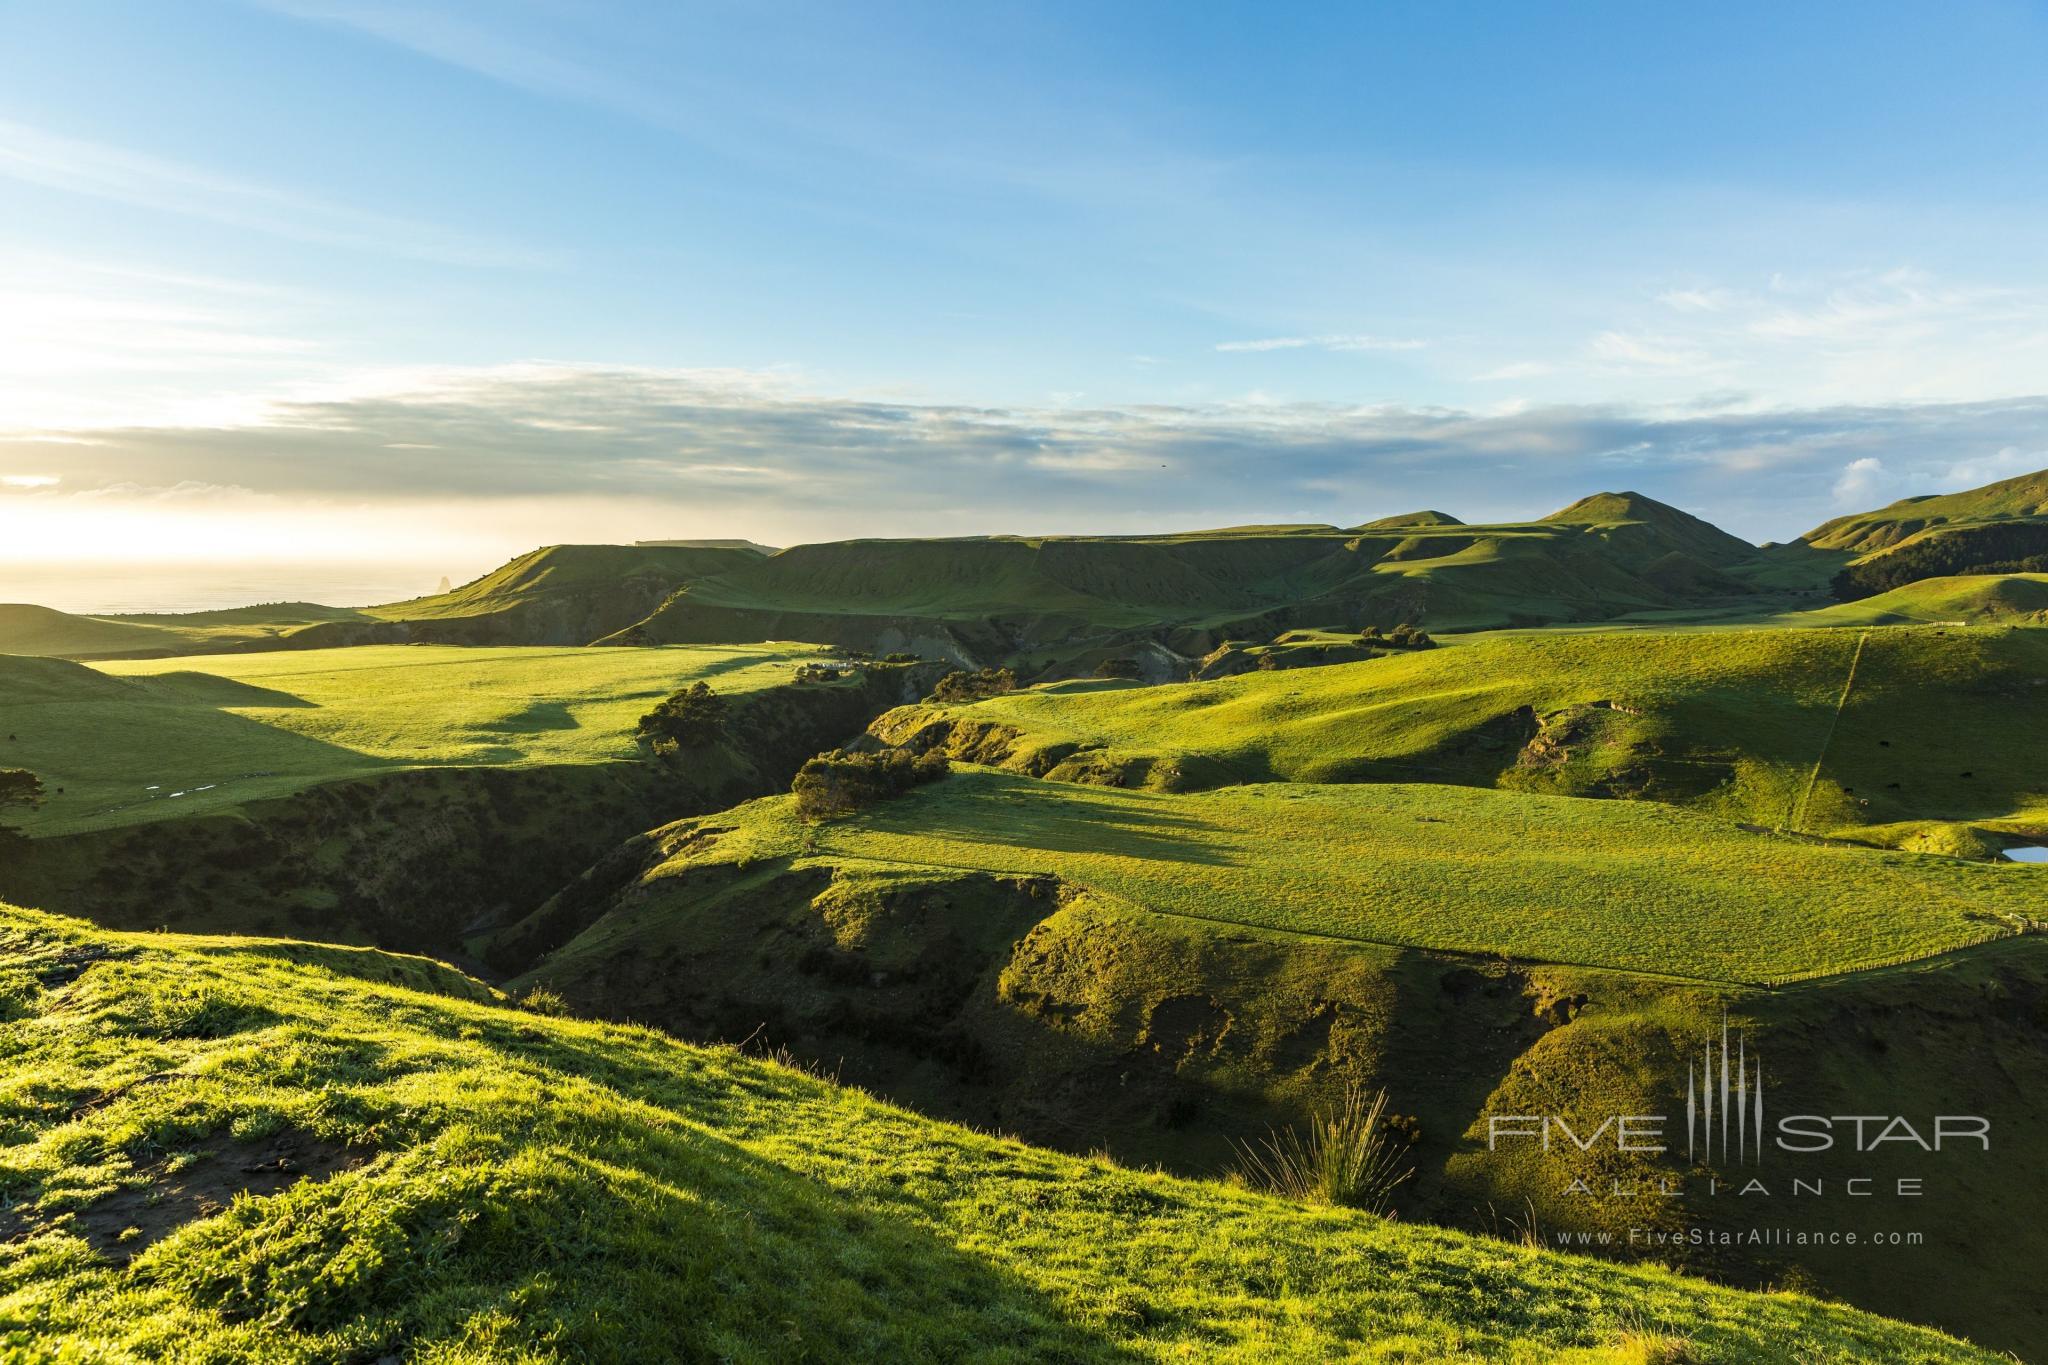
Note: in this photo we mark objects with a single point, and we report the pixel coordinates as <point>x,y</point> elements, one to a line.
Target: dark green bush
<point>1119,668</point>
<point>839,783</point>
<point>964,686</point>
<point>691,718</point>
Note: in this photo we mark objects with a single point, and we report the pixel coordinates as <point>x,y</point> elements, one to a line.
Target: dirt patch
<point>122,1225</point>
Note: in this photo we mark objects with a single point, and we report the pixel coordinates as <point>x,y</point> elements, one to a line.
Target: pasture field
<point>1637,887</point>
<point>1941,730</point>
<point>136,740</point>
<point>491,1183</point>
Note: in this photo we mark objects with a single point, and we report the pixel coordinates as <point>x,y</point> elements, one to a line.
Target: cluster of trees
<point>1403,636</point>
<point>986,682</point>
<point>814,673</point>
<point>1119,668</point>
<point>2012,547</point>
<point>690,719</point>
<point>839,783</point>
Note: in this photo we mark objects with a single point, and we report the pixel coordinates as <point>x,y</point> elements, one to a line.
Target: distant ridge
<point>754,545</point>
<point>1427,517</point>
<point>2023,498</point>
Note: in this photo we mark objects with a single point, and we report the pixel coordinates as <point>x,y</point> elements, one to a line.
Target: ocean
<point>181,587</point>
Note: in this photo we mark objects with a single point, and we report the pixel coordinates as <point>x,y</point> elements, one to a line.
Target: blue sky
<point>488,274</point>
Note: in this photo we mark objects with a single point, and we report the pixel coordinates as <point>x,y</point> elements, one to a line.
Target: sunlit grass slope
<point>1635,886</point>
<point>43,632</point>
<point>1978,599</point>
<point>1939,727</point>
<point>1603,556</point>
<point>490,1184</point>
<point>138,740</point>
<point>2015,499</point>
<point>569,571</point>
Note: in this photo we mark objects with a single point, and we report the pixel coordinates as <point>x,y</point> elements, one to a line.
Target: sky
<point>421,285</point>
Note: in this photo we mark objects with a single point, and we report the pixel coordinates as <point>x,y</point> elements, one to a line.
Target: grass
<point>44,633</point>
<point>557,572</point>
<point>1604,556</point>
<point>140,740</point>
<point>1938,737</point>
<point>511,1186</point>
<point>1633,886</point>
<point>1975,599</point>
<point>1348,1157</point>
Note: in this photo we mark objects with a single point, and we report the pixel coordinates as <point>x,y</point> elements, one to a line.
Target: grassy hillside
<point>1059,604</point>
<point>485,1184</point>
<point>1087,1022</point>
<point>2021,498</point>
<point>42,632</point>
<point>562,594</point>
<point>1633,886</point>
<point>420,839</point>
<point>557,595</point>
<point>1936,736</point>
<point>1972,599</point>
<point>155,739</point>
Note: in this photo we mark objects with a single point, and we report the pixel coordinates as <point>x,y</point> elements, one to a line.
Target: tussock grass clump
<point>1352,1156</point>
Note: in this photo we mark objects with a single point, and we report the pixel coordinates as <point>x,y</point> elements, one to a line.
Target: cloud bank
<point>623,452</point>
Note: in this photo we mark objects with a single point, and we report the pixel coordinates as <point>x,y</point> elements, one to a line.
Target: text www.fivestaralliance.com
<point>1734,1237</point>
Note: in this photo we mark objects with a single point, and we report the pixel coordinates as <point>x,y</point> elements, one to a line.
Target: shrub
<point>901,657</point>
<point>1119,668</point>
<point>692,717</point>
<point>1352,1156</point>
<point>817,673</point>
<point>839,783</point>
<point>964,686</point>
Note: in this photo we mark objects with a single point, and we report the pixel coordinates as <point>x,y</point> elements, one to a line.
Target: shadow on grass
<point>990,808</point>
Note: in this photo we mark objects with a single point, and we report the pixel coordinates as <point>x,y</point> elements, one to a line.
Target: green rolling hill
<point>136,741</point>
<point>1057,603</point>
<point>2024,498</point>
<point>1742,724</point>
<point>1999,529</point>
<point>557,595</point>
<point>396,796</point>
<point>263,1149</point>
<point>1159,974</point>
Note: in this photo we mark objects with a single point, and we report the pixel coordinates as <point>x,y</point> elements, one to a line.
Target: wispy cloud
<point>1520,369</point>
<point>1638,352</point>
<point>743,453</point>
<point>78,166</point>
<point>1340,341</point>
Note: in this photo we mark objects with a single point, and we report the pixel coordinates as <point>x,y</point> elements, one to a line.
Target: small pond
<point>2028,853</point>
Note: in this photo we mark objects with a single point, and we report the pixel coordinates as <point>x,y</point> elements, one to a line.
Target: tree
<point>692,717</point>
<point>1119,668</point>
